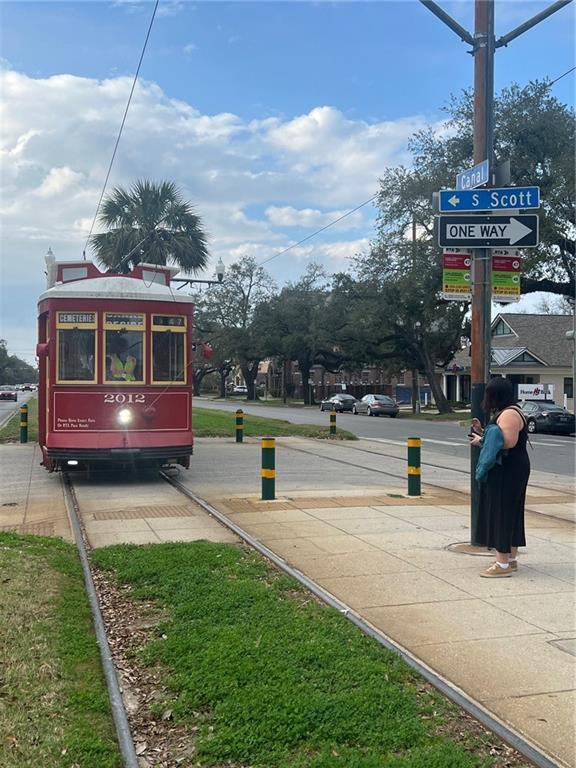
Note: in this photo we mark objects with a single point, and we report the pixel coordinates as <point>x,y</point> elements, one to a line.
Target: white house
<point>527,349</point>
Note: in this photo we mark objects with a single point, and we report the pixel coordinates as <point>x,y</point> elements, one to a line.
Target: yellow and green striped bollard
<point>268,471</point>
<point>414,470</point>
<point>239,425</point>
<point>332,422</point>
<point>24,423</point>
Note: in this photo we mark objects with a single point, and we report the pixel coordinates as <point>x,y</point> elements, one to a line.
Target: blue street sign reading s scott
<point>500,199</point>
<point>474,177</point>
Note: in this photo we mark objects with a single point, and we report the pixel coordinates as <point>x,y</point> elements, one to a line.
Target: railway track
<point>401,473</point>
<point>122,719</point>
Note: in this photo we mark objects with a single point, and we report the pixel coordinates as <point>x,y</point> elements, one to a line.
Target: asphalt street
<point>8,407</point>
<point>550,453</point>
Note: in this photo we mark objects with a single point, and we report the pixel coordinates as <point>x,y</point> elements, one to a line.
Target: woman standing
<point>500,524</point>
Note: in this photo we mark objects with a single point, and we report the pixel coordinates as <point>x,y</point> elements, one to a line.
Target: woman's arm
<point>511,424</point>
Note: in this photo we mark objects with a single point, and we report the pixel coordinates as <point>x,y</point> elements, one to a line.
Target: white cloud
<point>288,216</point>
<point>249,180</point>
<point>190,48</point>
<point>57,182</point>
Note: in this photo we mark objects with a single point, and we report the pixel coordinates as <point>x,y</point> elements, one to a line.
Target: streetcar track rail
<point>125,738</point>
<point>455,694</point>
<point>403,476</point>
<point>119,715</point>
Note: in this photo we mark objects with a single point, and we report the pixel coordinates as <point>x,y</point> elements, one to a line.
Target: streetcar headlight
<point>125,416</point>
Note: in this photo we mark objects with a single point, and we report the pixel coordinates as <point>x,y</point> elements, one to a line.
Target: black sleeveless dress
<point>500,523</point>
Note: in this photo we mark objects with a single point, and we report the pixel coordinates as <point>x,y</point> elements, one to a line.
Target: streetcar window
<point>124,356</point>
<point>76,354</point>
<point>168,360</point>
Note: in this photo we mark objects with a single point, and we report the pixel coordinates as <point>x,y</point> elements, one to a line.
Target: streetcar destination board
<point>488,231</point>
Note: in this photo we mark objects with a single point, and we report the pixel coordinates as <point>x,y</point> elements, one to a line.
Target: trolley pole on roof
<point>484,45</point>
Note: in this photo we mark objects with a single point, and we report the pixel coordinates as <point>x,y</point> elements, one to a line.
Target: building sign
<point>506,274</point>
<point>535,391</point>
<point>456,275</point>
<point>77,318</point>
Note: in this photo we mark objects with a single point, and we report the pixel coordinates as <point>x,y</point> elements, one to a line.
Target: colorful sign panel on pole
<point>456,274</point>
<point>506,274</point>
<point>457,277</point>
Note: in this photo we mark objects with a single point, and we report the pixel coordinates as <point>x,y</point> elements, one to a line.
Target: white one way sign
<point>488,231</point>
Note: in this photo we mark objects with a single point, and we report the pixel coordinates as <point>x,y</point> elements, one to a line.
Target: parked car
<point>8,392</point>
<point>374,405</point>
<point>338,403</point>
<point>547,417</point>
<point>240,389</point>
<point>28,387</point>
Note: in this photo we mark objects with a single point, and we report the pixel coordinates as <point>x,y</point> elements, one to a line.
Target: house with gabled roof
<point>527,349</point>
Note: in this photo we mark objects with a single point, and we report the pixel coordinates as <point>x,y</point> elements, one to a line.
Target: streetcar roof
<point>115,287</point>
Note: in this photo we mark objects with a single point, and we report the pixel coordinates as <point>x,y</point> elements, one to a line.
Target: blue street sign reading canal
<point>501,199</point>
<point>473,177</point>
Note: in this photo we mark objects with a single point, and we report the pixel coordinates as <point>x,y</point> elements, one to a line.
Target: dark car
<point>375,405</point>
<point>8,392</point>
<point>338,403</point>
<point>547,417</point>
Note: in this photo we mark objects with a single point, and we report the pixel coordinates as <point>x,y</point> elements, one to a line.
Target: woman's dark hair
<point>498,395</point>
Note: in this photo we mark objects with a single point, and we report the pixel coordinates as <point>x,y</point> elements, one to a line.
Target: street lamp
<point>220,271</point>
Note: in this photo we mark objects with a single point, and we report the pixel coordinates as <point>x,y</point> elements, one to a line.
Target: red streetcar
<point>115,367</point>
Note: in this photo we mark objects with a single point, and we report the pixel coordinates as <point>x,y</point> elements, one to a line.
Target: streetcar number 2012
<point>122,398</point>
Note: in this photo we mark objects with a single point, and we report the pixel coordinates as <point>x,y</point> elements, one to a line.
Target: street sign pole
<point>482,262</point>
<point>484,45</point>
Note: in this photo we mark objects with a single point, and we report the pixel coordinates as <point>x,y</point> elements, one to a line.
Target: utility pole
<point>484,45</point>
<point>481,308</point>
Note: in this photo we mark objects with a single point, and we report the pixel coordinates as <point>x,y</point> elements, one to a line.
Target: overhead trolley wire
<point>561,76</point>
<point>121,127</point>
<point>344,215</point>
<point>353,210</point>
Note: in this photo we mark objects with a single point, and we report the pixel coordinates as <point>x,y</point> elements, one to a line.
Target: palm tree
<point>152,223</point>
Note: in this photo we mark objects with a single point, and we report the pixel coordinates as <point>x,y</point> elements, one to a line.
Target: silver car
<point>375,405</point>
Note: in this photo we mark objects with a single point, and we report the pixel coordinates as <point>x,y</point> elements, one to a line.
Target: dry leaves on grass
<point>129,626</point>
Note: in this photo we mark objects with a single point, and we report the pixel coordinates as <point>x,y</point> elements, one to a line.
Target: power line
<point>344,215</point>
<point>121,126</point>
<point>294,245</point>
<point>561,76</point>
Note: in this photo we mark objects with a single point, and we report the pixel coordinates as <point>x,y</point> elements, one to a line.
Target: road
<point>550,453</point>
<point>8,407</point>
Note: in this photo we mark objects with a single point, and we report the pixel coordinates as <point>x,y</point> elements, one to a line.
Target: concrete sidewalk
<point>509,644</point>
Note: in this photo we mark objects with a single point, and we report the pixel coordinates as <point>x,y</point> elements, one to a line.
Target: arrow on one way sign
<point>488,231</point>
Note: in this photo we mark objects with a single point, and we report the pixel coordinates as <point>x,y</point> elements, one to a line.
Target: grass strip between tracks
<point>54,709</point>
<point>258,673</point>
<point>207,423</point>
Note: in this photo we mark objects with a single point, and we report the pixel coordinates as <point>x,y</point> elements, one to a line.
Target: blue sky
<point>274,118</point>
